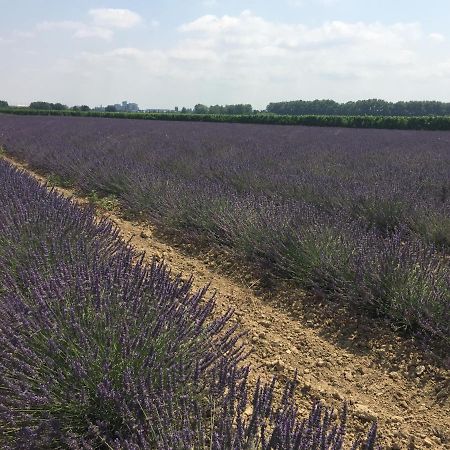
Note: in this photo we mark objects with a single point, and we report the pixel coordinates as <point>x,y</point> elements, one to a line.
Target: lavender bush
<point>323,207</point>
<point>99,350</point>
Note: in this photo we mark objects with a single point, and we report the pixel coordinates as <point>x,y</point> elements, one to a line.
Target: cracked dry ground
<point>338,357</point>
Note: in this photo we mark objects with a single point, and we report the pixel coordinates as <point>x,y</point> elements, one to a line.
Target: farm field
<point>359,216</point>
<point>225,225</point>
<point>101,350</point>
<point>343,214</point>
<point>357,365</point>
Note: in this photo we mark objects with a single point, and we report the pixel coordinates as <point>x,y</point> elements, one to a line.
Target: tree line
<point>371,107</point>
<point>199,108</point>
<point>48,106</point>
<point>219,109</point>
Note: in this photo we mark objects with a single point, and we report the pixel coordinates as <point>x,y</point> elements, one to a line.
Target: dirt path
<point>337,357</point>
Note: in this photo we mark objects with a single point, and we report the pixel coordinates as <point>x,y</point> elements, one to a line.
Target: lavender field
<point>362,216</point>
<point>99,350</point>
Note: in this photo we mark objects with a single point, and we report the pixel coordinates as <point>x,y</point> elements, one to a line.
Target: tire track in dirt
<point>383,377</point>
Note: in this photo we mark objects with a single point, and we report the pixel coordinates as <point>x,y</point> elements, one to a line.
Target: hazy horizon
<point>215,52</point>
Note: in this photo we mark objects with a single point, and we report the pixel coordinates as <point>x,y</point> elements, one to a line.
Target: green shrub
<point>391,122</point>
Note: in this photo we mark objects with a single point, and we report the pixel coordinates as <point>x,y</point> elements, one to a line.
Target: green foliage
<point>55,180</point>
<point>3,104</point>
<point>108,202</point>
<point>318,257</point>
<point>383,214</point>
<point>434,228</point>
<point>200,109</point>
<point>80,108</point>
<point>238,109</point>
<point>231,109</point>
<point>48,106</point>
<point>371,107</point>
<point>399,287</point>
<point>391,122</point>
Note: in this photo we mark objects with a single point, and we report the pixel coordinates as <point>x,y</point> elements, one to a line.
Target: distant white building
<point>133,107</point>
<point>127,107</point>
<point>122,107</point>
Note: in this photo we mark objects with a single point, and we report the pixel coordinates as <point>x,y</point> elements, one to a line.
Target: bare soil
<point>338,356</point>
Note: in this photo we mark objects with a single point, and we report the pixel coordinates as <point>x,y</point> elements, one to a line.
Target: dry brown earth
<point>338,357</point>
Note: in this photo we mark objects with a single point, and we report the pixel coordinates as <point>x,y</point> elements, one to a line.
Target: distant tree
<point>47,106</point>
<point>111,108</point>
<point>183,110</point>
<point>238,109</point>
<point>370,107</point>
<point>227,109</point>
<point>201,109</point>
<point>58,106</point>
<point>40,105</point>
<point>216,109</point>
<point>3,104</point>
<point>80,108</point>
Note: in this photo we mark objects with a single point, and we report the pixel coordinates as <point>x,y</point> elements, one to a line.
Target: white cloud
<point>436,37</point>
<point>115,18</point>
<point>301,3</point>
<point>246,58</point>
<point>23,34</point>
<point>93,32</point>
<point>104,20</point>
<point>15,36</point>
<point>78,29</point>
<point>351,49</point>
<point>60,25</point>
<point>213,24</point>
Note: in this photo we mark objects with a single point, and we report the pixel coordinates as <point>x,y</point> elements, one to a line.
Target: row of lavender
<point>361,215</point>
<point>100,351</point>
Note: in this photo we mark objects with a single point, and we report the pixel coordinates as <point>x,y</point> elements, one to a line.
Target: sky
<point>162,54</point>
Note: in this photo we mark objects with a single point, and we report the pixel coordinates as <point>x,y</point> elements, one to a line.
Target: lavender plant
<point>99,350</point>
<point>307,204</point>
